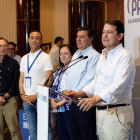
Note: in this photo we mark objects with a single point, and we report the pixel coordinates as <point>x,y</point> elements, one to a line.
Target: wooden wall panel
<point>8,23</point>
<point>115,10</point>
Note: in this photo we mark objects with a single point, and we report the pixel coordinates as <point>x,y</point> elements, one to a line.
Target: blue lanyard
<point>29,68</point>
<point>59,78</point>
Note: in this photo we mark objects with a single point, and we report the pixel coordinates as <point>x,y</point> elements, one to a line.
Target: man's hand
<point>29,100</point>
<point>26,100</point>
<point>87,103</point>
<point>32,98</point>
<point>65,92</point>
<point>73,94</point>
<point>2,101</point>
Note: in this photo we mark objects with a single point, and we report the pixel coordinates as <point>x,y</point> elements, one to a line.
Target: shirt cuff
<point>89,92</point>
<point>107,97</point>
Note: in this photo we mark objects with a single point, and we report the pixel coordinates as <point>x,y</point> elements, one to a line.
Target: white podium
<point>42,112</point>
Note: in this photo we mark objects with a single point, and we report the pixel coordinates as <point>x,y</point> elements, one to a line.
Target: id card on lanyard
<point>28,79</point>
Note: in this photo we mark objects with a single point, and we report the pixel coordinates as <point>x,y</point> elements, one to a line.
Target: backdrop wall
<point>132,43</point>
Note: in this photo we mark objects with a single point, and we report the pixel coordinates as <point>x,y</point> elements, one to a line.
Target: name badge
<point>27,82</point>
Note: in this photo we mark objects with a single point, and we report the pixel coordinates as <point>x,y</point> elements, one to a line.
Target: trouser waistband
<point>110,106</point>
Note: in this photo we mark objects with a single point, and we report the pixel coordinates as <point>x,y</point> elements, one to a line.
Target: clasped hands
<point>30,99</point>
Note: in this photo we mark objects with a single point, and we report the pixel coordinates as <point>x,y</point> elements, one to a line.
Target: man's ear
<point>91,39</point>
<point>120,36</point>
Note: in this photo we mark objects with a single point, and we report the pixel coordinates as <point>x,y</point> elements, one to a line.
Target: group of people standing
<point>102,85</point>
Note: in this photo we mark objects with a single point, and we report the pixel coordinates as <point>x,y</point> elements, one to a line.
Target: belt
<point>110,106</point>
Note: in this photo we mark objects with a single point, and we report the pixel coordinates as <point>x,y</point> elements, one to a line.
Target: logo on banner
<point>133,7</point>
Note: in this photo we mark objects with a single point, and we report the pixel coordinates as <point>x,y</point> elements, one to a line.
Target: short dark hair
<point>71,49</point>
<point>58,39</point>
<point>90,31</point>
<point>119,25</point>
<point>12,43</point>
<point>35,31</point>
<point>1,38</point>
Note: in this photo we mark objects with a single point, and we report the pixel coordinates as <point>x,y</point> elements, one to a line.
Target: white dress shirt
<point>114,77</point>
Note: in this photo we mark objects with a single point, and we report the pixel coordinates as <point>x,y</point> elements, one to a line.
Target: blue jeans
<point>31,114</point>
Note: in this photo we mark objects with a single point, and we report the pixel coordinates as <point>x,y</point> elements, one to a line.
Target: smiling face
<point>65,55</point>
<point>35,41</point>
<point>83,41</point>
<point>110,39</point>
<point>3,48</point>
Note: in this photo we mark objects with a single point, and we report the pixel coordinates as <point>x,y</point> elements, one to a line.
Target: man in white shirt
<point>35,68</point>
<point>112,86</point>
<point>11,52</point>
<point>54,52</point>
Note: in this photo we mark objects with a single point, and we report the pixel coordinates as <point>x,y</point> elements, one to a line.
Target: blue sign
<point>24,127</point>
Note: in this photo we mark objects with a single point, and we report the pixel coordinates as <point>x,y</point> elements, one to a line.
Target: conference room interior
<point>59,18</point>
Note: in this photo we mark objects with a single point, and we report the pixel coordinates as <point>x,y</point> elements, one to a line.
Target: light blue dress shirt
<point>82,73</point>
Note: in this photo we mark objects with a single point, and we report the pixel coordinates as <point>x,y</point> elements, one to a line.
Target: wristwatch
<point>4,97</point>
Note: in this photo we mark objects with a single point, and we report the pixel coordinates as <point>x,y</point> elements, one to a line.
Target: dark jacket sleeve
<point>14,84</point>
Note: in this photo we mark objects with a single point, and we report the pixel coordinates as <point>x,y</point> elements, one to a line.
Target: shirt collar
<point>35,53</point>
<point>114,51</point>
<point>82,52</point>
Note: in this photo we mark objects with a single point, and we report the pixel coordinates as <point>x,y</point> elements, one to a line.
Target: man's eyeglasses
<point>3,45</point>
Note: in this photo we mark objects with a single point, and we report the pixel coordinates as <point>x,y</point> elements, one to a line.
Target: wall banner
<point>132,28</point>
<point>132,43</point>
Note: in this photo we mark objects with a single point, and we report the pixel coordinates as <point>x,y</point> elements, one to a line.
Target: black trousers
<point>83,123</point>
<point>64,126</point>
